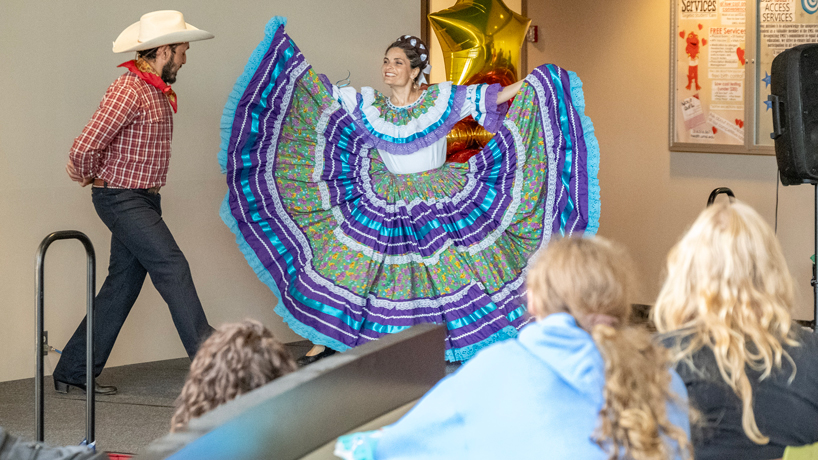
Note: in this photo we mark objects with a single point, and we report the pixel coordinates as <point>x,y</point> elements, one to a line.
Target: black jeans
<point>141,244</point>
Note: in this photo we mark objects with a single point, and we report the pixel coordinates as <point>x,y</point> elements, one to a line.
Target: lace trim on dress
<point>516,192</point>
<point>417,132</point>
<point>407,106</point>
<point>417,122</point>
<point>548,220</point>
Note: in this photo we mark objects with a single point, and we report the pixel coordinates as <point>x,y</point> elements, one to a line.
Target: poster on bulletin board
<point>708,93</point>
<point>782,24</point>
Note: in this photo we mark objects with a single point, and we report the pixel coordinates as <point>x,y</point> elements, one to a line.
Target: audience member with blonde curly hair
<point>235,359</point>
<point>725,312</point>
<point>577,383</point>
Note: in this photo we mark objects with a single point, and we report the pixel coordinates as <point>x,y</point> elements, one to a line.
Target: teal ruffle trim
<point>466,353</point>
<point>308,332</point>
<point>578,97</point>
<point>261,272</point>
<point>229,113</point>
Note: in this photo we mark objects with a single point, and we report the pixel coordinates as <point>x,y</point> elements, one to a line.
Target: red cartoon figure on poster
<point>692,50</point>
<point>740,54</point>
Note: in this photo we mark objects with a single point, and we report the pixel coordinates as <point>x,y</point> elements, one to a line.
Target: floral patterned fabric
<point>355,252</point>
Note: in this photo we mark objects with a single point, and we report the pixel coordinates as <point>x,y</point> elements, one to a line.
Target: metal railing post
<point>39,394</point>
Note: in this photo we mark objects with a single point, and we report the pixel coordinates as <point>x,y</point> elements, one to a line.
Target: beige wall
<point>57,63</point>
<point>649,194</point>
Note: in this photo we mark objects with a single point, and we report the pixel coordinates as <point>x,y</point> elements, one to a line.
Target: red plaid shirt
<point>127,141</point>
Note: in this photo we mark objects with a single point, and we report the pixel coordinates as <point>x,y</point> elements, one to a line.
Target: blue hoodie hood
<point>569,351</point>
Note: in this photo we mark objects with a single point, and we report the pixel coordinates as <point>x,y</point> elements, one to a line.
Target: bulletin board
<point>721,53</point>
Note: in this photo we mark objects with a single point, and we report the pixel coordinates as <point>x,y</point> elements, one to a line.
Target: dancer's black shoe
<point>304,360</point>
<point>103,390</point>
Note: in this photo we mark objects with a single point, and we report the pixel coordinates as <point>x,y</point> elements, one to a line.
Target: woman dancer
<point>725,309</point>
<point>344,205</point>
<point>586,385</point>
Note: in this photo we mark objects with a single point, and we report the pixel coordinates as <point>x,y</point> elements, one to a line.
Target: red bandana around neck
<point>144,71</point>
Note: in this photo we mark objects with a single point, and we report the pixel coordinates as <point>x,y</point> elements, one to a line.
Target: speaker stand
<point>814,281</point>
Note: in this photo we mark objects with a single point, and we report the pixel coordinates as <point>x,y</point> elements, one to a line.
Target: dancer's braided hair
<point>416,51</point>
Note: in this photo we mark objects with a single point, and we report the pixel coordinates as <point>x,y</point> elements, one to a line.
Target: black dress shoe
<point>65,387</point>
<point>304,360</point>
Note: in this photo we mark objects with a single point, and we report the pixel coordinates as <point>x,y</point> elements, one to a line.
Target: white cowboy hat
<point>156,29</point>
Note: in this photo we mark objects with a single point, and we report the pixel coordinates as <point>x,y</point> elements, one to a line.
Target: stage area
<point>126,422</point>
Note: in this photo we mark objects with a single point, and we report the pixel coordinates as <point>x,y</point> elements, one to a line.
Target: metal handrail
<point>39,395</point>
<point>712,198</point>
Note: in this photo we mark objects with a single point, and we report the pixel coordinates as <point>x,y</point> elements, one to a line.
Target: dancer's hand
<point>74,175</point>
<point>509,91</point>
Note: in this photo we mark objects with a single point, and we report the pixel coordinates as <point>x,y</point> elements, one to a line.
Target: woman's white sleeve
<point>481,103</point>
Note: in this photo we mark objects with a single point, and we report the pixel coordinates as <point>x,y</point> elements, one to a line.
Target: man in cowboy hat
<point>124,152</point>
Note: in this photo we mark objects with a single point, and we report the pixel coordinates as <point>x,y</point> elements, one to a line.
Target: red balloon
<point>462,156</point>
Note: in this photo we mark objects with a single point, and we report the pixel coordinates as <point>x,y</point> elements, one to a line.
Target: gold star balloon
<point>481,42</point>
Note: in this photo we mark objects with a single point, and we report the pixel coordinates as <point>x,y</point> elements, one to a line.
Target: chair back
<point>808,452</point>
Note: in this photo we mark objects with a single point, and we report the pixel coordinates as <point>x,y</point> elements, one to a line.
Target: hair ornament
<point>423,57</point>
<point>426,70</point>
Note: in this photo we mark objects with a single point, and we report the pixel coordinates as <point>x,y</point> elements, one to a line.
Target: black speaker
<point>794,100</point>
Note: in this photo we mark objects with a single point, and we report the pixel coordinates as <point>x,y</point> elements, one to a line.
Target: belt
<point>102,184</point>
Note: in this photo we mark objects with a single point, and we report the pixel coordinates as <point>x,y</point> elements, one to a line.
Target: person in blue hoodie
<point>577,383</point>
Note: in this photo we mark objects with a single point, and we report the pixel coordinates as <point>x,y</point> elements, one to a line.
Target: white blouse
<point>425,158</point>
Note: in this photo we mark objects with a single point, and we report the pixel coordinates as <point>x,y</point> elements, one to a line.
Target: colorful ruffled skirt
<point>355,252</point>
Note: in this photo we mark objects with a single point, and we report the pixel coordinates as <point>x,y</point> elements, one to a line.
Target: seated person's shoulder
<point>805,354</point>
<point>807,339</point>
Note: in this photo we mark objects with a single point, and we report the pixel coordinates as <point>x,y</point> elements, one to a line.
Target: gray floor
<point>126,422</point>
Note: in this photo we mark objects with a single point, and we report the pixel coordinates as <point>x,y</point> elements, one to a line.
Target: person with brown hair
<point>579,382</point>
<point>234,360</point>
<point>725,312</point>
